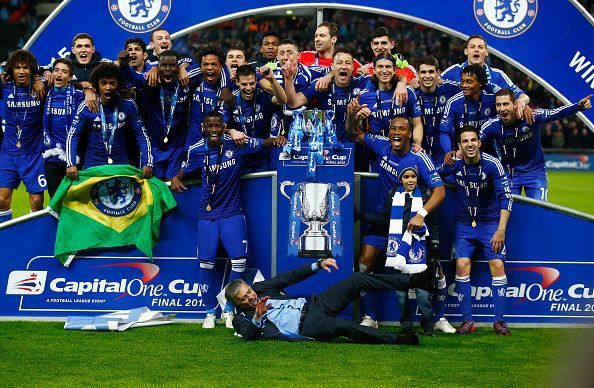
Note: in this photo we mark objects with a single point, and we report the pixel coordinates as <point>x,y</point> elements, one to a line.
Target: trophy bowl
<point>314,212</point>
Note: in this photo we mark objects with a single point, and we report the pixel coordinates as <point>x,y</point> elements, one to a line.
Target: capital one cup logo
<point>26,282</point>
<point>505,18</point>
<point>139,16</point>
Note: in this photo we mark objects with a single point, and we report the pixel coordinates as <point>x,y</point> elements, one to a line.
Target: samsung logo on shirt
<point>339,101</point>
<point>520,138</point>
<point>206,100</point>
<point>23,104</point>
<point>472,185</point>
<point>259,116</point>
<point>392,170</point>
<point>58,111</point>
<point>224,165</point>
<point>97,125</point>
<point>429,111</point>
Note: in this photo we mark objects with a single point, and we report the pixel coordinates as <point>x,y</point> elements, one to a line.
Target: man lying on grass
<point>265,311</point>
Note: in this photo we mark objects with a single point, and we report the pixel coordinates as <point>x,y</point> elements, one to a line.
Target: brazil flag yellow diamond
<point>109,206</point>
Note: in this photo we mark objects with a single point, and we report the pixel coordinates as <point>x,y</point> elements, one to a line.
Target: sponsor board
<point>580,162</point>
<point>99,284</point>
<point>537,291</point>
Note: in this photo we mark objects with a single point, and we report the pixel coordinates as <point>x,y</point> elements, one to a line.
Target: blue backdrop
<point>551,40</point>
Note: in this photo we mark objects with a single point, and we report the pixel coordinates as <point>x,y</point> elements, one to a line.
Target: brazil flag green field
<point>183,354</point>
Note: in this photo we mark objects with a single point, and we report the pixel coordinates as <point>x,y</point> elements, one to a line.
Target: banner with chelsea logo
<point>109,206</point>
<point>546,39</point>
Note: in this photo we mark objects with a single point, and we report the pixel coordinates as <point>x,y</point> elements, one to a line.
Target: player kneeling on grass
<point>220,214</point>
<point>484,205</point>
<point>266,311</point>
<point>20,154</point>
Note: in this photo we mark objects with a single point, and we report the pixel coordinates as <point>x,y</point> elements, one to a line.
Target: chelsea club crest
<point>505,18</point>
<point>393,244</point>
<point>116,196</point>
<point>139,16</point>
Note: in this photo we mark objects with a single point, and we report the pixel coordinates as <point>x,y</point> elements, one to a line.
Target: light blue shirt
<point>285,314</point>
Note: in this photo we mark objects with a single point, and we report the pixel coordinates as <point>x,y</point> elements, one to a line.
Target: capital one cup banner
<point>35,284</point>
<point>572,162</point>
<point>100,284</point>
<point>536,292</point>
<point>551,40</point>
<point>549,266</point>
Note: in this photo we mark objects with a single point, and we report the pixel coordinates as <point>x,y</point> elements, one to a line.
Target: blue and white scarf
<point>406,252</point>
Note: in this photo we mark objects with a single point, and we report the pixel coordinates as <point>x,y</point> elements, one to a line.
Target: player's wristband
<point>423,212</point>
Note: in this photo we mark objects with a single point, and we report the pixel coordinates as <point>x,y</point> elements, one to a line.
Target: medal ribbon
<point>471,208</point>
<point>209,177</point>
<point>169,121</point>
<point>108,142</point>
<point>18,119</point>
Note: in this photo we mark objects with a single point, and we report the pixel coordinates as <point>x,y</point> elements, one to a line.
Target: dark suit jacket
<point>273,288</point>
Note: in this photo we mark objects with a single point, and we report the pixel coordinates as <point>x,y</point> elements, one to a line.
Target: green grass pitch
<point>183,354</point>
<point>34,354</point>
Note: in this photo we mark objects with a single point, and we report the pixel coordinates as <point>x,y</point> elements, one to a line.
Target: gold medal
<point>110,160</point>
<point>208,208</point>
<point>165,140</point>
<point>473,224</point>
<point>18,144</point>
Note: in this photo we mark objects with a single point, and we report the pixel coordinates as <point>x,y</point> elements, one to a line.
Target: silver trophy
<point>314,196</point>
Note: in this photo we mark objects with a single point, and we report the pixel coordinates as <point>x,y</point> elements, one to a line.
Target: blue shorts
<point>26,168</point>
<point>469,240</point>
<point>168,168</point>
<point>377,237</point>
<point>231,231</point>
<point>535,184</point>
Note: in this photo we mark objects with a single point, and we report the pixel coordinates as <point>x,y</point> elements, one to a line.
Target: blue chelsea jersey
<point>390,165</point>
<point>22,120</point>
<point>221,170</point>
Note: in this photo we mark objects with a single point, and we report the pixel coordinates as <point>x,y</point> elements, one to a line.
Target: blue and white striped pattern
<point>401,259</point>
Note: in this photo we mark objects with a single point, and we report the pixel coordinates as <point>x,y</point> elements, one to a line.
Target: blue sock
<point>6,215</point>
<point>367,305</point>
<point>498,288</point>
<point>237,271</point>
<point>207,285</point>
<point>440,303</point>
<point>237,268</point>
<point>463,288</point>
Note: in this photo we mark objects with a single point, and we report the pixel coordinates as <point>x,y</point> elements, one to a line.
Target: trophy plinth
<point>315,241</point>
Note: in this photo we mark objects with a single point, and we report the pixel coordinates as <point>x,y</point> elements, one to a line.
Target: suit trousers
<point>320,321</point>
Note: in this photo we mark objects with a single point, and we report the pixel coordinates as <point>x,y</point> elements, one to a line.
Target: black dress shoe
<point>407,339</point>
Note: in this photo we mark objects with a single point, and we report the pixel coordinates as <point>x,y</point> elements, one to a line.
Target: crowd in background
<point>18,21</point>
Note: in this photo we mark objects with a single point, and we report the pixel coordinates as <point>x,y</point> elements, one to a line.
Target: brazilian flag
<point>109,206</point>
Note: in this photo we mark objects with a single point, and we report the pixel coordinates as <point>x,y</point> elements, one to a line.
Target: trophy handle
<point>347,189</point>
<point>282,188</point>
